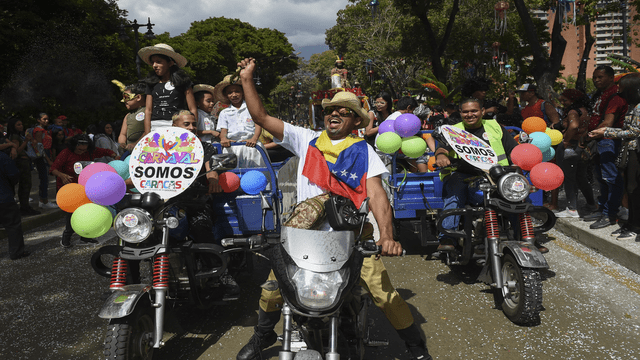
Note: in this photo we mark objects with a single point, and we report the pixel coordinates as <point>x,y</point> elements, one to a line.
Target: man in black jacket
<point>10,214</point>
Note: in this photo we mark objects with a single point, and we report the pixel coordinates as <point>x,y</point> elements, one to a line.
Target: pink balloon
<point>93,169</point>
<point>546,176</point>
<point>526,156</point>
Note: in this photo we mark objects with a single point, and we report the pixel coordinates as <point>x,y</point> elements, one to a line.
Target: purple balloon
<point>385,126</point>
<point>407,125</point>
<point>105,188</point>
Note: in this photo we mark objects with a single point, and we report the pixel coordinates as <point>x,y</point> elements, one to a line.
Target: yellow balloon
<point>555,135</point>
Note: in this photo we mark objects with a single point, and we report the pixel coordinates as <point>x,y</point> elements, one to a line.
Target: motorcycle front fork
<point>286,354</point>
<point>492,231</point>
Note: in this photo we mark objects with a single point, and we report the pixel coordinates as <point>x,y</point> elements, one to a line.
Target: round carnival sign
<point>469,147</point>
<point>166,161</point>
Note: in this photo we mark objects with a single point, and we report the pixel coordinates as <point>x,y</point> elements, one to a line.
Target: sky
<point>303,21</point>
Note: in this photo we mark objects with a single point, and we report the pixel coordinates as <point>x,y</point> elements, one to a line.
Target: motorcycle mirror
<point>496,172</point>
<point>223,161</point>
<point>264,204</point>
<point>80,165</point>
<point>150,200</point>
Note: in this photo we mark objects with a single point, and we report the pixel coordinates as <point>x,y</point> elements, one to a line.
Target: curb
<point>625,253</point>
<point>32,222</point>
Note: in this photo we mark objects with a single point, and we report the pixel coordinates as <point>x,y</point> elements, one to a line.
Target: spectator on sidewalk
<point>104,139</point>
<point>10,214</point>
<point>134,98</point>
<point>43,162</point>
<point>608,111</point>
<point>80,148</point>
<point>204,95</point>
<point>575,122</point>
<point>629,90</point>
<point>58,142</point>
<point>382,108</point>
<point>17,135</point>
<point>537,106</point>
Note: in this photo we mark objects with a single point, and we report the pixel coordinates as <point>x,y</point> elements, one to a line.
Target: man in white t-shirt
<point>344,114</point>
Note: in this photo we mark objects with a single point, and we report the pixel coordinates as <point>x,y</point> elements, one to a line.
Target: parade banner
<point>166,161</point>
<point>470,148</point>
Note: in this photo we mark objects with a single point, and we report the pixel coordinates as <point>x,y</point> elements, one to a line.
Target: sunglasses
<point>128,96</point>
<point>343,111</point>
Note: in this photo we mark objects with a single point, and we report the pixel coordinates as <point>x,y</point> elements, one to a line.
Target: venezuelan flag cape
<point>340,169</point>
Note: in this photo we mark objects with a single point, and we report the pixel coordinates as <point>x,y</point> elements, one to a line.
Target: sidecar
<point>416,198</point>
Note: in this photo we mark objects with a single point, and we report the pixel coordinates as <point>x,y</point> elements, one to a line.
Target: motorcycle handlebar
<point>378,250</point>
<point>254,241</point>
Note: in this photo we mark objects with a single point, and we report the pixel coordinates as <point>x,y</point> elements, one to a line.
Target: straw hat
<point>204,87</point>
<point>218,92</point>
<point>162,49</point>
<point>351,101</point>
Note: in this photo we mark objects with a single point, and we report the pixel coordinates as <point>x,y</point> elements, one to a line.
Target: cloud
<point>304,22</point>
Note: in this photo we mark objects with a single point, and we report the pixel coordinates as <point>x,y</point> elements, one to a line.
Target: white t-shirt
<point>238,122</point>
<point>296,139</point>
<point>393,115</point>
<point>206,122</point>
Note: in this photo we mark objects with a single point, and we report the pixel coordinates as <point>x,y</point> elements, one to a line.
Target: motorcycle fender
<point>526,254</point>
<point>122,302</point>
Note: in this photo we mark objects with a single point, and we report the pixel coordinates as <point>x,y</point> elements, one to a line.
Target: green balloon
<point>91,220</point>
<point>389,142</point>
<point>413,146</point>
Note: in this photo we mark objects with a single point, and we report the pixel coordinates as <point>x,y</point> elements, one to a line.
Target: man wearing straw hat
<point>364,171</point>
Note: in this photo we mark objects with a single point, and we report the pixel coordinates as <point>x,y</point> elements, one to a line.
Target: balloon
<point>386,126</point>
<point>541,140</point>
<point>533,124</point>
<point>229,181</point>
<point>546,176</point>
<point>407,125</point>
<point>105,188</point>
<point>121,167</point>
<point>526,156</point>
<point>389,142</point>
<point>253,182</point>
<point>112,210</point>
<point>431,164</point>
<point>555,135</point>
<point>549,154</point>
<point>93,169</point>
<point>126,160</point>
<point>91,220</point>
<point>413,146</point>
<point>71,196</point>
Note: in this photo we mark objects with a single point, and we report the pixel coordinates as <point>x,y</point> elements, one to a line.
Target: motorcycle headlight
<point>134,225</point>
<point>513,187</point>
<point>317,290</point>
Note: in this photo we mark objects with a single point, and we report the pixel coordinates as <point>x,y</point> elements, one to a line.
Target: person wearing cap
<point>168,86</point>
<point>236,125</point>
<point>134,99</point>
<point>357,175</point>
<point>536,106</point>
<point>206,122</point>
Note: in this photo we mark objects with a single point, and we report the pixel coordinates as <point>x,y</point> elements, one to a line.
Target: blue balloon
<point>121,167</point>
<point>549,154</point>
<point>126,160</point>
<point>541,140</point>
<point>253,182</point>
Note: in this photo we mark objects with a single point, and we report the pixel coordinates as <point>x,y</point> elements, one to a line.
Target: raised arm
<point>258,113</point>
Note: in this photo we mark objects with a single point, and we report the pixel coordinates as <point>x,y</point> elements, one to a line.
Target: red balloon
<point>546,176</point>
<point>526,156</point>
<point>229,181</point>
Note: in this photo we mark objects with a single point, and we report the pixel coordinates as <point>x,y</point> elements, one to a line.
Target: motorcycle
<point>499,235</point>
<point>318,274</point>
<point>178,270</point>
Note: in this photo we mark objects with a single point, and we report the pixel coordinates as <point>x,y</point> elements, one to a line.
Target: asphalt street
<point>49,303</point>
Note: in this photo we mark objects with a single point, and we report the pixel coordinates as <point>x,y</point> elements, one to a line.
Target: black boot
<point>413,340</point>
<point>263,337</point>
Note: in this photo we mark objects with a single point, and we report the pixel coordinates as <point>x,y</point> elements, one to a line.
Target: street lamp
<point>148,35</point>
<point>374,8</point>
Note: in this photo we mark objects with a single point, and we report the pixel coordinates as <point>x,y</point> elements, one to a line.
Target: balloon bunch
<point>399,134</point>
<point>534,156</point>
<point>252,182</point>
<point>90,200</point>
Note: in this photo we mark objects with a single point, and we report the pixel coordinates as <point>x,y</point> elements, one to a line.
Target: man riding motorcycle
<point>456,191</point>
<point>344,114</point>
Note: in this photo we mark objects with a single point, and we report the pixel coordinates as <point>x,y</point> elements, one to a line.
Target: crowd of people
<point>600,129</point>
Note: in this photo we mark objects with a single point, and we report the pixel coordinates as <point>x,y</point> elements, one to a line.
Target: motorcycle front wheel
<point>129,338</point>
<point>524,298</point>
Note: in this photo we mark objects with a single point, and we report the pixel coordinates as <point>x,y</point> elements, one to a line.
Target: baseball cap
<point>527,87</point>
